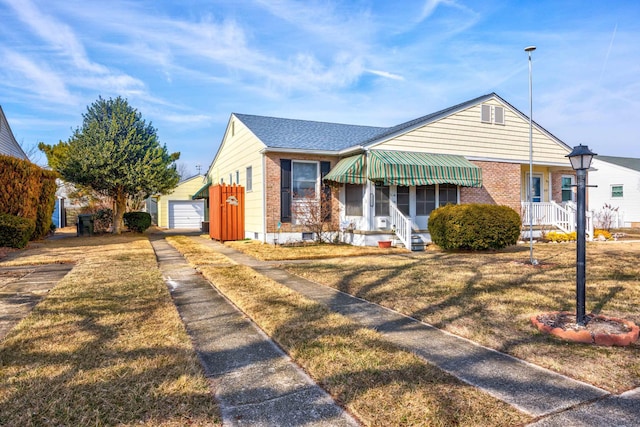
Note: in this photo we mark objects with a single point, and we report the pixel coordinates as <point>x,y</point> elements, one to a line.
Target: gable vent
<point>498,115</point>
<point>485,113</point>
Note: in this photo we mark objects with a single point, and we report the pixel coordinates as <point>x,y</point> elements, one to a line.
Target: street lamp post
<point>580,159</point>
<point>530,49</point>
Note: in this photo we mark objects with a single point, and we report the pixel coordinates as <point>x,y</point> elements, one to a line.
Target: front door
<point>536,190</point>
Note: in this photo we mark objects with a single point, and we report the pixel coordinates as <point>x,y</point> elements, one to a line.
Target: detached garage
<point>186,214</point>
<point>177,210</point>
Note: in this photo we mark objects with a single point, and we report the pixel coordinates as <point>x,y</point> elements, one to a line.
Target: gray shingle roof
<point>627,162</point>
<point>307,135</point>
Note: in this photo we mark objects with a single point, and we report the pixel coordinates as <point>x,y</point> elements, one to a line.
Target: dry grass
<point>375,380</point>
<point>490,297</point>
<point>106,347</point>
<point>267,252</point>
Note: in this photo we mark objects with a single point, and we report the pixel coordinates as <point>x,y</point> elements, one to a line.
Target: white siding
<point>463,133</point>
<point>604,175</point>
<point>8,144</point>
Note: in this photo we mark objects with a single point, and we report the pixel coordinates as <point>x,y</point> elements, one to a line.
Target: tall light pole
<point>580,159</point>
<point>530,49</point>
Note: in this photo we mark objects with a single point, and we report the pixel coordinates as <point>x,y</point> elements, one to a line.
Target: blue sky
<point>187,65</point>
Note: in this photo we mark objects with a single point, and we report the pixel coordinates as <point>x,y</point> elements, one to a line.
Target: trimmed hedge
<point>137,221</point>
<point>27,191</point>
<point>474,227</point>
<point>15,231</point>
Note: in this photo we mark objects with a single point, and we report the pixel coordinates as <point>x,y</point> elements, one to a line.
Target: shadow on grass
<point>101,349</point>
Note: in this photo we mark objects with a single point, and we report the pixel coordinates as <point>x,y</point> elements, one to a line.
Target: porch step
<point>417,244</point>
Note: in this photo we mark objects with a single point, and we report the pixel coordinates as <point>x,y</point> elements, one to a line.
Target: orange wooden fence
<point>226,212</point>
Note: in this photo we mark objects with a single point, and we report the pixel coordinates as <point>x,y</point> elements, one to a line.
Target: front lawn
<point>489,298</point>
<point>381,384</point>
<point>105,347</point>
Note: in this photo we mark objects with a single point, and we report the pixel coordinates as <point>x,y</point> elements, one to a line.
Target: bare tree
<point>314,214</point>
<point>604,218</point>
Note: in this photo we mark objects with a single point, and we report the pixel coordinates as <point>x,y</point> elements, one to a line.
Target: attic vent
<point>485,116</point>
<point>498,115</point>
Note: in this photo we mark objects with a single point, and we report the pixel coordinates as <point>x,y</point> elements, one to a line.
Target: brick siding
<point>500,185</point>
<point>272,175</point>
<point>556,183</point>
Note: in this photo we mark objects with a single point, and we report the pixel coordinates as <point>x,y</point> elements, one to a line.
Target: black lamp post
<point>580,159</point>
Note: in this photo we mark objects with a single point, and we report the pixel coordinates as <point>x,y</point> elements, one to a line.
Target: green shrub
<point>137,221</point>
<point>15,231</point>
<point>103,220</point>
<point>474,226</point>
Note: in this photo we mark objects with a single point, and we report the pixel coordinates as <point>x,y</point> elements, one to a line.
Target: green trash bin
<point>85,225</point>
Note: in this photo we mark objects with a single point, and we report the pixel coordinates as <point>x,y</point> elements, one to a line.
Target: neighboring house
<point>177,209</point>
<point>617,184</point>
<point>8,144</point>
<point>386,181</point>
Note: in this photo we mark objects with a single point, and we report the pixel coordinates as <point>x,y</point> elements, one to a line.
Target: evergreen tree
<point>117,154</point>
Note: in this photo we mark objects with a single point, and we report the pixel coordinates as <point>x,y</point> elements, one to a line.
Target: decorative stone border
<point>588,337</point>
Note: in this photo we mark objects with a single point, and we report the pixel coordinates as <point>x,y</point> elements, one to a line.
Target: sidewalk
<point>256,384</point>
<point>554,399</point>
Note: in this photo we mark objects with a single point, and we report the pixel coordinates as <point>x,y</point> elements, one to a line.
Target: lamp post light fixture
<point>580,159</point>
<point>530,49</point>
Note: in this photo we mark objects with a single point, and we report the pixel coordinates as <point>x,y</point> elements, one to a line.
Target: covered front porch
<point>388,195</point>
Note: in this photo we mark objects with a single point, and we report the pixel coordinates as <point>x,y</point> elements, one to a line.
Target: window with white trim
<point>402,199</point>
<point>568,182</point>
<point>304,179</point>
<point>617,191</point>
<point>249,178</point>
<point>492,114</point>
<point>353,199</point>
<point>447,194</point>
<point>425,199</point>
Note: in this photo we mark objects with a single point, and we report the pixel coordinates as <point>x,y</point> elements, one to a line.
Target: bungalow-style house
<point>177,209</point>
<point>615,182</point>
<point>8,144</point>
<point>385,181</point>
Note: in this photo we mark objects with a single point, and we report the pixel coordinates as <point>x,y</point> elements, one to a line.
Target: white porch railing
<point>555,215</point>
<point>402,225</point>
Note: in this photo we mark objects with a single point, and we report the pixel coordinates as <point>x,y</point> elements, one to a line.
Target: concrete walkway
<point>21,288</point>
<point>255,383</point>
<point>555,400</point>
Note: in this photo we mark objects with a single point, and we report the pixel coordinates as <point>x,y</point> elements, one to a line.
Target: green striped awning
<point>202,193</point>
<point>410,168</point>
<point>349,170</point>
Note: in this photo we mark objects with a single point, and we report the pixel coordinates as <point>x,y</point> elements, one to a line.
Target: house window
<point>402,201</point>
<point>238,177</point>
<point>447,194</point>
<point>425,199</point>
<point>382,200</point>
<point>617,191</point>
<point>221,180</point>
<point>230,179</point>
<point>353,199</point>
<point>304,179</point>
<point>249,178</point>
<point>567,188</point>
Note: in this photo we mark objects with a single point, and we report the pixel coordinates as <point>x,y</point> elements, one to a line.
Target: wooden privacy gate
<point>226,212</point>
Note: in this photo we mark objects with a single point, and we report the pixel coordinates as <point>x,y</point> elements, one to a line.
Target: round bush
<point>15,231</point>
<point>137,221</point>
<point>474,227</point>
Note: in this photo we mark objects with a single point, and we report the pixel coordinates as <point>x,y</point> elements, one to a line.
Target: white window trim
<point>611,191</point>
<point>317,183</point>
<point>573,183</point>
